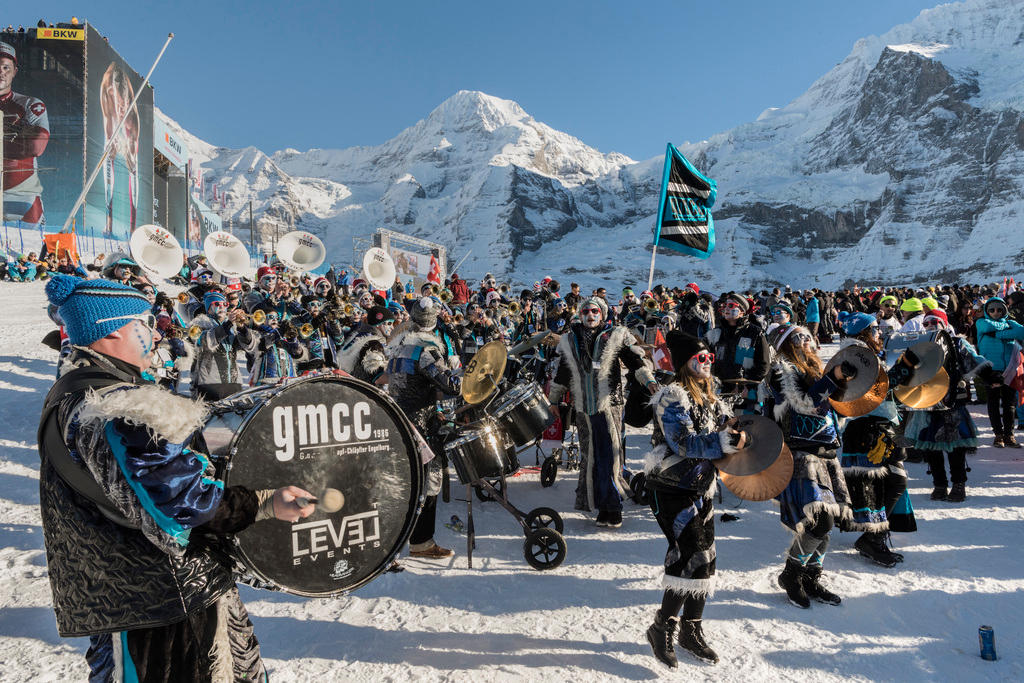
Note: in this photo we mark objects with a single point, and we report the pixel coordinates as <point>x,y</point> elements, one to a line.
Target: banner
<point>202,220</point>
<point>122,196</point>
<point>167,143</point>
<point>43,109</point>
<point>684,216</point>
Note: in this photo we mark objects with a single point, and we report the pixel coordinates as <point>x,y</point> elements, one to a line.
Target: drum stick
<point>331,500</point>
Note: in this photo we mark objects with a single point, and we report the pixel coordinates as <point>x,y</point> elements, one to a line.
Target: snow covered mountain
<point>904,163</point>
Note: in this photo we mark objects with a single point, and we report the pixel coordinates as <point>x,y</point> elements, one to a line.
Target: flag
<point>435,271</point>
<point>684,216</point>
<point>662,356</point>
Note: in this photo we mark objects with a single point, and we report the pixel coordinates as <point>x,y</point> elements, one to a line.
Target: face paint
<point>700,364</point>
<point>591,316</point>
<point>386,328</point>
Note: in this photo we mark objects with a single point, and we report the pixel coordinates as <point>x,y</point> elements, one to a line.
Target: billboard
<point>42,100</point>
<point>122,196</point>
<point>168,143</point>
<point>202,220</point>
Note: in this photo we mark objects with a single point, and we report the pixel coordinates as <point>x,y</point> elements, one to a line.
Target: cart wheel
<point>544,518</point>
<point>484,495</point>
<point>548,471</point>
<point>544,549</point>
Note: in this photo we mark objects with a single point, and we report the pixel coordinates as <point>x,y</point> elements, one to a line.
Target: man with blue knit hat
<point>222,334</point>
<point>120,496</point>
<point>872,464</point>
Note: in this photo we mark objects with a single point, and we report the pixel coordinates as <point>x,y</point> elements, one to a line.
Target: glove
<point>901,374</point>
<point>848,369</point>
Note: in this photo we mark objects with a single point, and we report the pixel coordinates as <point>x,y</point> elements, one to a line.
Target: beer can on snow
<point>987,641</point>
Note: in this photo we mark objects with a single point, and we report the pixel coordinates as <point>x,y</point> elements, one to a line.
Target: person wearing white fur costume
<point>587,362</point>
<point>816,497</point>
<point>692,431</point>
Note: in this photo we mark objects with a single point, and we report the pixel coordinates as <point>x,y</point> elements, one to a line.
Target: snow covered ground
<point>585,620</point>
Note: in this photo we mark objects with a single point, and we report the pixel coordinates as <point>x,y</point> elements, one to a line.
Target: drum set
<point>501,415</point>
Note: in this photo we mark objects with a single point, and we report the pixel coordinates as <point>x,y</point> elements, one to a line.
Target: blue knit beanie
<point>211,296</point>
<point>855,323</point>
<point>80,303</point>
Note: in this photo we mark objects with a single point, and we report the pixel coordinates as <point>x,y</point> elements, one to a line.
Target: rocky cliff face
<point>902,164</point>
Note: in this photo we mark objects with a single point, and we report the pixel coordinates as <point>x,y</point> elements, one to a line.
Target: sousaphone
<point>227,255</point>
<point>301,251</point>
<point>378,268</point>
<point>156,251</point>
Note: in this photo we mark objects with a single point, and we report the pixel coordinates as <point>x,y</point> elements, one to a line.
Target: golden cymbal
<point>767,483</point>
<point>764,443</point>
<point>866,364</point>
<point>871,399</point>
<point>483,372</point>
<point>924,395</point>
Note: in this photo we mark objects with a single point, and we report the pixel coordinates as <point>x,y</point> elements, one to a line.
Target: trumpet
<point>458,318</point>
<point>446,295</point>
<point>503,289</point>
<point>194,332</point>
<point>651,305</point>
<point>434,289</point>
<point>348,310</point>
<point>258,317</point>
<point>294,281</point>
<point>514,308</point>
<point>306,330</point>
<point>184,297</point>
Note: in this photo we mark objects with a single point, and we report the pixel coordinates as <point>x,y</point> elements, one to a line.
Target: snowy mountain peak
<point>470,108</point>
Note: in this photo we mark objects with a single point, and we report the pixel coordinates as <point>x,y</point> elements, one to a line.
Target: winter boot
<point>871,546</point>
<point>888,544</point>
<point>1010,441</point>
<point>602,517</point>
<point>939,493</point>
<point>691,638</point>
<point>998,441</point>
<point>789,581</point>
<point>957,494</point>
<point>660,635</point>
<point>614,519</point>
<point>812,584</point>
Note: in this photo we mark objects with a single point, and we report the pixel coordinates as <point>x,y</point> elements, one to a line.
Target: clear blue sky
<point>621,76</point>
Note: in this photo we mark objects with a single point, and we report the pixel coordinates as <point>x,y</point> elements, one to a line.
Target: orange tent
<point>61,243</point>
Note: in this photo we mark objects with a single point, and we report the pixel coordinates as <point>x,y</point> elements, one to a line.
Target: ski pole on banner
<point>113,136</point>
<point>456,268</point>
<point>650,276</point>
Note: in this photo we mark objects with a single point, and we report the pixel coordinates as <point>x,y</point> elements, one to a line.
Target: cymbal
<point>767,483</point>
<point>924,395</point>
<point>763,446</point>
<point>869,401</point>
<point>533,341</point>
<point>483,371</point>
<point>930,358</point>
<point>867,365</point>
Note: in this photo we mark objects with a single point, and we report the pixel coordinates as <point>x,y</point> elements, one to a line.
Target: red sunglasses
<point>704,357</point>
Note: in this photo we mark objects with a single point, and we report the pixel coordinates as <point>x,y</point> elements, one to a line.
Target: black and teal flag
<point>684,211</point>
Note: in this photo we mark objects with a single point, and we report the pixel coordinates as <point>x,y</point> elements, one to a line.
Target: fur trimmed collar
<point>167,416</point>
<point>794,394</point>
<point>614,340</point>
<point>414,338</point>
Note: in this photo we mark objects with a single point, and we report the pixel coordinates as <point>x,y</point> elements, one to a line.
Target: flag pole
<point>117,131</point>
<point>650,276</point>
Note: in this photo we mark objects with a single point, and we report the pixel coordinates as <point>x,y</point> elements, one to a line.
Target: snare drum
<point>317,432</point>
<point>480,452</point>
<point>523,412</point>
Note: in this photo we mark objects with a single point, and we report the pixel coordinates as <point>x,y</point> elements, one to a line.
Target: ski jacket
<point>996,337</point>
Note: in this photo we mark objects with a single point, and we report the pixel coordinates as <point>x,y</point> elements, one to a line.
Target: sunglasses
<point>801,338</point>
<point>146,318</point>
<point>591,311</point>
<point>778,312</point>
<point>205,276</point>
<point>995,310</point>
<point>268,278</point>
<point>730,305</point>
<point>218,305</point>
<point>888,305</point>
<point>704,357</point>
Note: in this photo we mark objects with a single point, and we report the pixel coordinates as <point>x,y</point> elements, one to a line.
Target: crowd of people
<point>678,361</point>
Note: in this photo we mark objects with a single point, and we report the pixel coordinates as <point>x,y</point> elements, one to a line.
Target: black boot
<point>871,546</point>
<point>812,584</point>
<point>1010,441</point>
<point>790,581</point>
<point>660,635</point>
<point>958,493</point>
<point>614,519</point>
<point>602,517</point>
<point>691,638</point>
<point>888,544</point>
<point>939,493</point>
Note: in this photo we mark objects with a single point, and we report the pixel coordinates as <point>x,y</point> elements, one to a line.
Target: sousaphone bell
<point>301,251</point>
<point>378,268</point>
<point>227,255</point>
<point>156,250</point>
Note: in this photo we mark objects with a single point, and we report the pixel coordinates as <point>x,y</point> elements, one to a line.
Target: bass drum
<point>325,431</point>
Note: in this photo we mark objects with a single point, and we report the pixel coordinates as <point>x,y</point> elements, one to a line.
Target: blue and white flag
<point>684,216</point>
